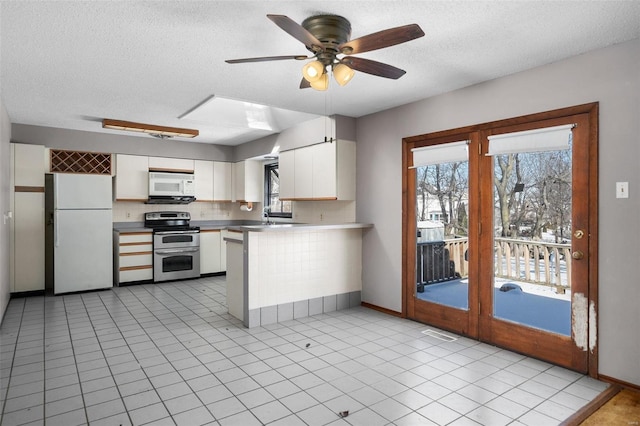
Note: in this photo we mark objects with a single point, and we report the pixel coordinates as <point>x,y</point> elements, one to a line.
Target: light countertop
<point>299,227</point>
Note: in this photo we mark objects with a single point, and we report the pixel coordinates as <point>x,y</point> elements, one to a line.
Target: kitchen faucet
<point>265,215</point>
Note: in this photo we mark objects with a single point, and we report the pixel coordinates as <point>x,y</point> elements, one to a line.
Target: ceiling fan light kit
<point>160,132</point>
<point>326,37</point>
<point>321,84</point>
<point>313,71</point>
<point>342,74</point>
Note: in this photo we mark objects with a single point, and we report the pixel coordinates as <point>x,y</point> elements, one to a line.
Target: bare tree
<point>533,192</point>
<point>505,164</point>
<point>447,184</point>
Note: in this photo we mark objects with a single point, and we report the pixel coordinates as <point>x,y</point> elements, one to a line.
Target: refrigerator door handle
<point>55,229</point>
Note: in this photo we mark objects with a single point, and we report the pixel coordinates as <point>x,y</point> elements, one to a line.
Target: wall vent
<point>439,336</point>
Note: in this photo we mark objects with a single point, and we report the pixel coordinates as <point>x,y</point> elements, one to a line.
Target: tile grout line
<point>13,356</point>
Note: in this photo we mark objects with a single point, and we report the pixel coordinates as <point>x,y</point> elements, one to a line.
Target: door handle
<point>177,251</point>
<point>579,234</point>
<point>577,255</point>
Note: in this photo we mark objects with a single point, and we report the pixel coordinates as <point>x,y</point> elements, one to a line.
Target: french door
<point>500,242</point>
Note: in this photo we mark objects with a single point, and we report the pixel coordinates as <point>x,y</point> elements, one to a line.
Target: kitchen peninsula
<point>279,272</point>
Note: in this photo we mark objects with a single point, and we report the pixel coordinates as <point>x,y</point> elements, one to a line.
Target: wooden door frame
<point>467,326</point>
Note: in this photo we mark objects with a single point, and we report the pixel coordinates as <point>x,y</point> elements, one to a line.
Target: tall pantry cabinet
<point>27,256</point>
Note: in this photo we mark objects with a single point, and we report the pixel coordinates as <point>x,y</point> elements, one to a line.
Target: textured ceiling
<point>70,64</point>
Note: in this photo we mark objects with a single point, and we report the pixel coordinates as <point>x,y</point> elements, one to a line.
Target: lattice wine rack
<point>97,163</point>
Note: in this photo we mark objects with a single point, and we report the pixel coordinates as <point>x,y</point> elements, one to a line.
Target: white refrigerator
<point>79,232</point>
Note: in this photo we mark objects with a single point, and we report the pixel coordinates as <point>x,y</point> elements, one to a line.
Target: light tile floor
<point>170,354</point>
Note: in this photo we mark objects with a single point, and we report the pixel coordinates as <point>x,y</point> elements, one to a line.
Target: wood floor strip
<point>583,413</point>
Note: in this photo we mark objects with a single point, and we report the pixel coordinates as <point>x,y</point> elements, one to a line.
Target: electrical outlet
<point>321,217</point>
<point>128,215</point>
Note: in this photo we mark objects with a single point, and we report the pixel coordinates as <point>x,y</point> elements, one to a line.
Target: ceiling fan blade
<point>381,39</point>
<point>304,84</point>
<point>298,32</point>
<point>266,58</point>
<point>373,67</point>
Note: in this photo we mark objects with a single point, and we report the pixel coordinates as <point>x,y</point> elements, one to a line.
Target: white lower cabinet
<point>210,251</point>
<point>133,256</point>
<point>238,235</point>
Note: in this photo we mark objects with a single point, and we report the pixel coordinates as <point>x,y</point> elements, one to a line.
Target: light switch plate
<point>622,189</point>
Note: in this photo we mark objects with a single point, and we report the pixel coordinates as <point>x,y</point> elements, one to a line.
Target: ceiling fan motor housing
<point>332,31</point>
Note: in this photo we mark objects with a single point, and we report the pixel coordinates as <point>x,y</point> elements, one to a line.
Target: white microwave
<point>167,184</point>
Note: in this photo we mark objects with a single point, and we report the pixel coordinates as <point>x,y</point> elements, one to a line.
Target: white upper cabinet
<point>29,165</point>
<point>171,164</point>
<point>203,171</point>
<point>303,173</point>
<point>324,171</point>
<point>286,168</point>
<point>132,177</point>
<point>248,177</point>
<point>222,181</point>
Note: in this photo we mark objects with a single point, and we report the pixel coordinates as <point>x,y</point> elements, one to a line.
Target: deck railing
<point>534,262</point>
<point>521,260</point>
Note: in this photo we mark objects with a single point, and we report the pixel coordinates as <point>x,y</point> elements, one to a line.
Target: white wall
<point>5,167</point>
<point>609,76</point>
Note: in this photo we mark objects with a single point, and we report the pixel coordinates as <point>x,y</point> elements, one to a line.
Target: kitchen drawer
<point>136,237</point>
<point>141,274</point>
<point>136,248</point>
<point>136,259</point>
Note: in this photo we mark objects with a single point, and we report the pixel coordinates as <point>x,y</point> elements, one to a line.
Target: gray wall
<point>610,76</point>
<point>294,137</point>
<point>307,133</point>
<point>5,163</point>
<point>52,137</point>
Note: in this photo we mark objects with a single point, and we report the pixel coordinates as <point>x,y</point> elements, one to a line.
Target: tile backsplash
<point>324,211</point>
<point>303,211</point>
<point>133,211</point>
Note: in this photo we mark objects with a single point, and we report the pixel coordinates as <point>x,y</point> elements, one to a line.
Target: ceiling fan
<point>327,37</point>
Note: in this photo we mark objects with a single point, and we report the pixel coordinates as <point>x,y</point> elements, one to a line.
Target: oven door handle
<point>175,232</point>
<point>174,251</point>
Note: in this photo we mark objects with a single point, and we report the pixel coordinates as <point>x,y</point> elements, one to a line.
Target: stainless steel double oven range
<point>176,245</point>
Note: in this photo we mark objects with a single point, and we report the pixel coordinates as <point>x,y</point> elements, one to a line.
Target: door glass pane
<point>442,201</point>
<point>532,239</point>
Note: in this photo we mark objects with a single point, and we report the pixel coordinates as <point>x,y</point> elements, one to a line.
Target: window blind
<point>446,153</point>
<point>555,138</point>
